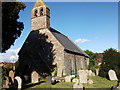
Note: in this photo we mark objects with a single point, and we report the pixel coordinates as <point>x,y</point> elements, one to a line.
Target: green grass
<point>99,82</point>
<point>58,85</point>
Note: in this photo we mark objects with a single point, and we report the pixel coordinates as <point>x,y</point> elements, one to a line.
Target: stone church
<point>68,57</point>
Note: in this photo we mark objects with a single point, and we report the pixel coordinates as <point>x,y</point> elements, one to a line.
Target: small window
<point>35,13</point>
<point>41,12</point>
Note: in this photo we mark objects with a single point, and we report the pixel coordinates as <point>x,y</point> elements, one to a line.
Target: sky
<point>90,25</point>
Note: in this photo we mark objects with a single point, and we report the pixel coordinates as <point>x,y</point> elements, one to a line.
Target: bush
<point>110,61</point>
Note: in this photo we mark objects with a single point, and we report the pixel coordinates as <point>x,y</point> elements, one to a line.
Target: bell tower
<point>40,16</point>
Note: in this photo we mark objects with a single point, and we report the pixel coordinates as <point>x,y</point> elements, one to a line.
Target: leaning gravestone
<point>18,82</point>
<point>48,80</point>
<point>11,75</point>
<point>68,79</point>
<point>112,75</point>
<point>83,76</point>
<point>34,77</point>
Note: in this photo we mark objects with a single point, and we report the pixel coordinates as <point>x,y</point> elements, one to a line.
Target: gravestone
<point>90,72</point>
<point>18,82</point>
<point>77,86</point>
<point>68,79</point>
<point>56,79</point>
<point>6,84</point>
<point>82,76</point>
<point>90,81</point>
<point>75,80</point>
<point>48,80</point>
<point>25,77</point>
<point>60,71</point>
<point>11,76</point>
<point>112,75</point>
<point>34,77</point>
<point>93,74</point>
<point>97,71</point>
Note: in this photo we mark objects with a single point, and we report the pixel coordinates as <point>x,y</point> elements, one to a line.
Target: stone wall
<point>40,19</point>
<point>73,63</point>
<point>58,51</point>
<point>68,63</point>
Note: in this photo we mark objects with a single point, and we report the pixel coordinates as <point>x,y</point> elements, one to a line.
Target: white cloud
<point>9,56</point>
<point>80,40</point>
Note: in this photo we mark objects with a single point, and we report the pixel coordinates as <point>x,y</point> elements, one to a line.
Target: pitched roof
<point>64,40</point>
<point>67,43</point>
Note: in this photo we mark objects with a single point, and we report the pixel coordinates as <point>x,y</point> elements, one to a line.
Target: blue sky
<point>91,25</point>
<point>97,22</point>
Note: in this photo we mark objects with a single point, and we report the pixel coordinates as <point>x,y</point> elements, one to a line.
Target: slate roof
<point>67,43</point>
<point>64,40</point>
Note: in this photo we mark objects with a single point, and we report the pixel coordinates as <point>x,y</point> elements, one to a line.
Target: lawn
<point>99,82</point>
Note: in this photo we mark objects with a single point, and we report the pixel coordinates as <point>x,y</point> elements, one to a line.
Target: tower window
<point>35,13</point>
<point>41,12</point>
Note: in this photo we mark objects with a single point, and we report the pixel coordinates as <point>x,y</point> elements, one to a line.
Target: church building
<point>68,57</point>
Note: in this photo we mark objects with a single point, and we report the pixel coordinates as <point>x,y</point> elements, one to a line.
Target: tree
<point>92,58</point>
<point>11,27</point>
<point>36,54</point>
<point>110,61</point>
<point>98,58</point>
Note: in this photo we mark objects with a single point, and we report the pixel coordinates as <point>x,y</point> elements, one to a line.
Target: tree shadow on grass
<point>31,85</point>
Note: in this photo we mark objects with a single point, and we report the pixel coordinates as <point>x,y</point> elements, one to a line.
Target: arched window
<point>35,13</point>
<point>41,11</point>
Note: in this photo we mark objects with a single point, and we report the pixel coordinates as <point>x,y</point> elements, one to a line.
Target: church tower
<point>40,16</point>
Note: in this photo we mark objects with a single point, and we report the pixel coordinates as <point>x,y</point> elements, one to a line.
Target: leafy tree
<point>92,58</point>
<point>98,58</point>
<point>37,54</point>
<point>110,61</point>
<point>11,27</point>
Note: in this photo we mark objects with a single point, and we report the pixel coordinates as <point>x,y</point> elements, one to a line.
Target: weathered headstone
<point>68,79</point>
<point>112,75</point>
<point>48,80</point>
<point>60,71</point>
<point>6,84</point>
<point>55,79</point>
<point>25,77</point>
<point>90,72</point>
<point>11,75</point>
<point>18,82</point>
<point>34,77</point>
<point>90,81</point>
<point>75,80</point>
<point>93,74</point>
<point>82,76</point>
<point>97,71</point>
<point>77,86</point>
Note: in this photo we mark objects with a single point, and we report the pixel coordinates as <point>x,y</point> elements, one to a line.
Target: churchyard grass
<point>99,82</point>
<point>58,85</point>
